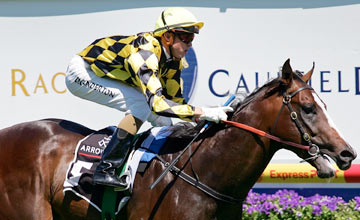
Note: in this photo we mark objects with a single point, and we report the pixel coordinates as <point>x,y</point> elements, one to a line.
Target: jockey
<point>138,75</point>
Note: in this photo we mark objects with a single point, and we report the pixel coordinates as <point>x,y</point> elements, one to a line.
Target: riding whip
<point>172,164</point>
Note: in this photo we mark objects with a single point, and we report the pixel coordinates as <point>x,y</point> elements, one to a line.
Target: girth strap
<point>206,189</point>
<point>198,184</point>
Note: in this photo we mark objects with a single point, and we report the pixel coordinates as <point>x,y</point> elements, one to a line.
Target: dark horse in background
<point>34,157</point>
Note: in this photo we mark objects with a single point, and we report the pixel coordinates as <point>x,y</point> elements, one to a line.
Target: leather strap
<point>198,184</point>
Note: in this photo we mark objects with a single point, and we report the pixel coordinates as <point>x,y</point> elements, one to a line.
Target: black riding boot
<point>113,157</point>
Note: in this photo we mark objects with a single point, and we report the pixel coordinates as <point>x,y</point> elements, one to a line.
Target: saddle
<point>87,156</point>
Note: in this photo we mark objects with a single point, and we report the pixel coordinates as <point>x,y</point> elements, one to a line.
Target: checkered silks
<point>136,60</point>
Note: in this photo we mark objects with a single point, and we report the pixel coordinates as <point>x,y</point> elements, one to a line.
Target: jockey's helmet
<point>177,19</point>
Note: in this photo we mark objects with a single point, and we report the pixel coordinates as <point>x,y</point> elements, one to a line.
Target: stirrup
<point>127,179</point>
<point>109,180</point>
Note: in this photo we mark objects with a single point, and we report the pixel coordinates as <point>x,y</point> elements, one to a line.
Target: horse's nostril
<point>347,154</point>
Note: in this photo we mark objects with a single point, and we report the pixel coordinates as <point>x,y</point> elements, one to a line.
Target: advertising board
<point>241,47</point>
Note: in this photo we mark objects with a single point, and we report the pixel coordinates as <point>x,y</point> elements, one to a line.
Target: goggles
<point>190,29</point>
<point>185,37</point>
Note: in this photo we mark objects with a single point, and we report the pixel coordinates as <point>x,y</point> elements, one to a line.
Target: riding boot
<point>113,157</point>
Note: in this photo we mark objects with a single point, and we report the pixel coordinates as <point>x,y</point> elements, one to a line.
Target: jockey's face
<point>179,48</point>
<point>177,43</point>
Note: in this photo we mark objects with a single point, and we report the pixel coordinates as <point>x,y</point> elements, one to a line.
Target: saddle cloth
<point>88,154</point>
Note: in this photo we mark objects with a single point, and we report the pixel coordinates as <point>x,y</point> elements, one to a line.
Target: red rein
<point>264,134</point>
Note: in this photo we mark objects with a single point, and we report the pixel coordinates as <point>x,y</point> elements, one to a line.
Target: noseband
<point>313,151</point>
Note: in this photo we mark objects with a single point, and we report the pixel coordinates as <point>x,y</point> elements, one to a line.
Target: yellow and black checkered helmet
<point>179,19</point>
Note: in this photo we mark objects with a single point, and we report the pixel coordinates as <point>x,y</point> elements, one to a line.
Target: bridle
<point>313,150</point>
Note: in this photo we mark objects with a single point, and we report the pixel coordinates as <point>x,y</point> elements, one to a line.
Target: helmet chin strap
<point>169,44</point>
<point>172,55</point>
<point>168,29</point>
<point>171,51</point>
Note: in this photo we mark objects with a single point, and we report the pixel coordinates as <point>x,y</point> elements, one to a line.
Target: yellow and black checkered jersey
<point>139,61</point>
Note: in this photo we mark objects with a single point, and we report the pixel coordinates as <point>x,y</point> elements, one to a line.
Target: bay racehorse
<point>34,157</point>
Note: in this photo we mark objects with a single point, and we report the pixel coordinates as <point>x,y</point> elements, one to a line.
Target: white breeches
<point>82,82</point>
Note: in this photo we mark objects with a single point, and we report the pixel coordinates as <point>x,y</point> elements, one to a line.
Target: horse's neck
<point>236,158</point>
<point>257,150</point>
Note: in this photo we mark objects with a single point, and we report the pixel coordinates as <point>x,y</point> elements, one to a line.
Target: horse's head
<point>302,117</point>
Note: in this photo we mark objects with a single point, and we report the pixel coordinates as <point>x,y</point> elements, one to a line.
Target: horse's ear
<point>287,72</point>
<point>308,75</point>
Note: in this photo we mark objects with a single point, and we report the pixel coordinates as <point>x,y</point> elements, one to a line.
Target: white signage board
<point>238,49</point>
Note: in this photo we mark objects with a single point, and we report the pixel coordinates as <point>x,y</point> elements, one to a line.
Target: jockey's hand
<point>216,114</point>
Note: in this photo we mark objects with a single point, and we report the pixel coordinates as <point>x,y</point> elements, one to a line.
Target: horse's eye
<point>309,108</point>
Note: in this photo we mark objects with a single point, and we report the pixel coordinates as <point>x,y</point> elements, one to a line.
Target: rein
<point>264,134</point>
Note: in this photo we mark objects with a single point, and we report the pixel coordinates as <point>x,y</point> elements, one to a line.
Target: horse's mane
<point>187,130</point>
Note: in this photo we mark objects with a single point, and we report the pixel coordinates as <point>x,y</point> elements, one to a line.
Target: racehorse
<point>35,156</point>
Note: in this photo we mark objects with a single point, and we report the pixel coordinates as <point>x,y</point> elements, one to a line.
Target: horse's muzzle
<point>345,158</point>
